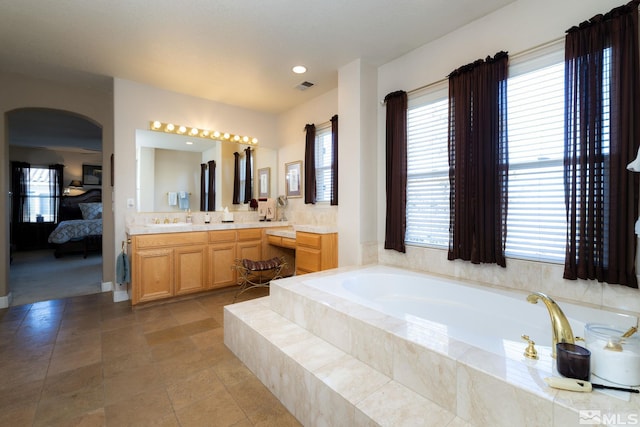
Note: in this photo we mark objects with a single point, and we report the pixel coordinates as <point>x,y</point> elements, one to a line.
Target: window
<point>323,154</point>
<point>41,202</point>
<point>536,221</point>
<point>428,170</point>
<point>536,218</point>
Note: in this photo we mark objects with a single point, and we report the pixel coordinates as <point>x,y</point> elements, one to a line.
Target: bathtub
<point>368,341</point>
<point>491,319</point>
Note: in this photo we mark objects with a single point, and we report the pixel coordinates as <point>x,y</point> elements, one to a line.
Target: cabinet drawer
<point>222,236</point>
<point>169,239</point>
<point>288,242</point>
<point>308,259</point>
<point>250,234</point>
<point>308,239</point>
<point>274,240</point>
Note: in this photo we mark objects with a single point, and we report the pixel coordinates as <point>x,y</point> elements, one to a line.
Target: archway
<point>39,138</point>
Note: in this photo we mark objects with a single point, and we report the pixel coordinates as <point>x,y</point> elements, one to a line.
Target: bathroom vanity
<point>170,260</point>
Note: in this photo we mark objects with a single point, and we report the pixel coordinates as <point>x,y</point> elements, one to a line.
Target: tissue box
<point>227,217</point>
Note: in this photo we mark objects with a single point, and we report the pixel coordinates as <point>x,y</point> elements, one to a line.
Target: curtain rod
<point>320,125</point>
<point>515,55</point>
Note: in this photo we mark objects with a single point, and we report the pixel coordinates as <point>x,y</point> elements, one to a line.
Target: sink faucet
<point>560,327</point>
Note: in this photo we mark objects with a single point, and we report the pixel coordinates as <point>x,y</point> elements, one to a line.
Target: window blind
<point>536,220</point>
<point>428,170</point>
<point>323,151</point>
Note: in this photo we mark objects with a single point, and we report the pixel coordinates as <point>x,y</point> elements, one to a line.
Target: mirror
<point>168,167</point>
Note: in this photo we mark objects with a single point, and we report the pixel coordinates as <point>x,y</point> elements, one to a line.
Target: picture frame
<point>264,182</point>
<point>91,175</point>
<point>293,179</point>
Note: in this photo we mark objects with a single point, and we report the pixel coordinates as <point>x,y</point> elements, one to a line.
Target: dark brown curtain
<point>236,178</point>
<point>310,164</point>
<point>56,179</point>
<point>478,161</point>
<point>334,160</point>
<point>248,188</point>
<point>601,195</point>
<point>396,170</point>
<point>203,187</point>
<point>211,194</point>
<point>19,192</point>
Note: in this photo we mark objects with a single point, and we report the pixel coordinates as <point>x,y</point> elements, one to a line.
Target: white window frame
<point>323,159</point>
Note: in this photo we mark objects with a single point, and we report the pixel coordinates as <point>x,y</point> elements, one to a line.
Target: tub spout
<point>560,327</point>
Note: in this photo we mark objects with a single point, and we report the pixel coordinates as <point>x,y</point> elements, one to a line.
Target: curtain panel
<point>334,160</point>
<point>310,164</point>
<point>396,171</point>
<point>19,191</point>
<point>478,161</point>
<point>236,178</point>
<point>211,193</point>
<point>600,193</point>
<point>248,188</point>
<point>56,189</point>
<point>203,188</point>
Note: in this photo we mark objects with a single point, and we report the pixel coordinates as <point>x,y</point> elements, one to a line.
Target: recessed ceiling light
<point>189,142</point>
<point>299,69</point>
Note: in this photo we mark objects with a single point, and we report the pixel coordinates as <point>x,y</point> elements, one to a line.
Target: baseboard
<point>119,296</point>
<point>107,286</point>
<point>5,301</point>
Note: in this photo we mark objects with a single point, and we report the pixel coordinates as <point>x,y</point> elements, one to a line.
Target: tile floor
<point>85,361</point>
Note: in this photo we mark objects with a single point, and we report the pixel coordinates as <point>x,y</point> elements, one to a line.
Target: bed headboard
<point>69,208</point>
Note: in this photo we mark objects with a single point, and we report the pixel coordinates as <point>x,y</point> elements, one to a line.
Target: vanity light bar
<point>203,133</point>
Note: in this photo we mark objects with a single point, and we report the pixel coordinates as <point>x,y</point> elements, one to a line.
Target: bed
<point>79,229</point>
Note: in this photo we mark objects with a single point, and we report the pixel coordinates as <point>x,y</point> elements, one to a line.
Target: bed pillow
<point>91,210</point>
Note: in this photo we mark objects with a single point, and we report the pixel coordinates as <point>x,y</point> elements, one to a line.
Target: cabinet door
<point>221,258</point>
<point>191,271</point>
<point>153,275</point>
<point>251,250</point>
<point>307,260</point>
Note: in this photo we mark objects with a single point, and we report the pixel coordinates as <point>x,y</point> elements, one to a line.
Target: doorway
<point>49,149</point>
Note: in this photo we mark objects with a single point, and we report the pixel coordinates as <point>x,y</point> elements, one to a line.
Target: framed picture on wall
<point>264,182</point>
<point>293,179</point>
<point>91,175</point>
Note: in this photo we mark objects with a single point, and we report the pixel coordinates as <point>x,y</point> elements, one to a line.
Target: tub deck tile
<point>395,405</point>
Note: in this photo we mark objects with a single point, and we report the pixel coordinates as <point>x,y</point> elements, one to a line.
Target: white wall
<point>515,28</point>
<point>291,138</point>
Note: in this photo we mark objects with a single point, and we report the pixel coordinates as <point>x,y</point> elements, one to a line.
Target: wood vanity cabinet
<point>222,254</point>
<point>165,265</point>
<point>249,244</point>
<point>168,264</point>
<point>316,252</point>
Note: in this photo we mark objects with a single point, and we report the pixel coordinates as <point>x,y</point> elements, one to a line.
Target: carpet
<point>38,276</point>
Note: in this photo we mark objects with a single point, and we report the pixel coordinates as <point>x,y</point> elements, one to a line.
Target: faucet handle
<point>530,352</point>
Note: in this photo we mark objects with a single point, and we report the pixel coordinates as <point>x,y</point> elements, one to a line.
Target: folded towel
<point>172,198</point>
<point>123,269</point>
<point>183,200</point>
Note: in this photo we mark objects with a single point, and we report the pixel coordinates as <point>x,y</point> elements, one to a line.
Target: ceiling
<point>238,52</point>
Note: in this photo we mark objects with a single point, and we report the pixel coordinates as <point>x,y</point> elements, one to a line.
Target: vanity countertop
<point>182,227</point>
<point>275,228</point>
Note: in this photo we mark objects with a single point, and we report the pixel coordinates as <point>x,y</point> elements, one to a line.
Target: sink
<point>170,224</point>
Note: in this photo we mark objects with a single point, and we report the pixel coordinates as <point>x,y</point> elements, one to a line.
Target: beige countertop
<point>276,228</point>
<point>183,227</point>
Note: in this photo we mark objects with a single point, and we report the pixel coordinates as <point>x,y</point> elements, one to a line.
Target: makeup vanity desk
<point>316,247</point>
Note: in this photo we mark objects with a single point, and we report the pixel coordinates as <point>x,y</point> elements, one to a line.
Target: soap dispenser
<point>189,216</point>
<point>207,218</point>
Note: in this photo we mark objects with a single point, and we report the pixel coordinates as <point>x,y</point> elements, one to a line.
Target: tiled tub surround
<point>332,361</point>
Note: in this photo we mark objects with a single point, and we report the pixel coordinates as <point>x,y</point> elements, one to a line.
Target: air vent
<point>304,85</point>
